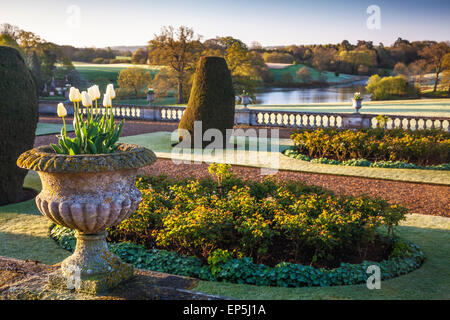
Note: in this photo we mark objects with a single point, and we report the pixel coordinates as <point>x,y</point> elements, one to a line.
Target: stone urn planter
<point>245,100</point>
<point>357,104</point>
<point>89,193</point>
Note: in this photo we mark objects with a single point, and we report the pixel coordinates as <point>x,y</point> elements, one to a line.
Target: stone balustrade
<point>271,118</point>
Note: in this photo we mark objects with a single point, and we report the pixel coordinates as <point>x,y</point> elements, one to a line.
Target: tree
<point>287,78</point>
<point>179,49</point>
<point>134,79</point>
<point>364,58</point>
<point>140,56</point>
<point>8,41</point>
<point>390,87</point>
<point>434,55</point>
<point>322,58</point>
<point>401,69</point>
<point>10,30</point>
<point>164,83</point>
<point>18,121</point>
<point>446,72</point>
<point>304,75</point>
<point>418,69</point>
<point>212,99</point>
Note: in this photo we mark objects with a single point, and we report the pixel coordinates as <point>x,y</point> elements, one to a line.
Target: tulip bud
<point>107,100</point>
<point>61,110</point>
<point>110,90</point>
<point>86,99</point>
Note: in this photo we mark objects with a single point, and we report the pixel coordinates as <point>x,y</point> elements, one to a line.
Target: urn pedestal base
<point>92,268</point>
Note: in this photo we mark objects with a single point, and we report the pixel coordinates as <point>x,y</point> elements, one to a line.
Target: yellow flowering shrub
<point>422,147</point>
<point>269,221</point>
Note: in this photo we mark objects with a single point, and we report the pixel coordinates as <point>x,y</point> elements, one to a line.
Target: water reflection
<point>275,96</point>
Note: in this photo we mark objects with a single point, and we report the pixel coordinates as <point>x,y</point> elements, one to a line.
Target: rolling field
<point>107,73</point>
<point>278,72</point>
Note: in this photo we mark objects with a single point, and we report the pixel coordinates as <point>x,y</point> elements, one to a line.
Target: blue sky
<point>274,22</point>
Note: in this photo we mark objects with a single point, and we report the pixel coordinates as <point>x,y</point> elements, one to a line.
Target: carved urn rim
<point>127,156</point>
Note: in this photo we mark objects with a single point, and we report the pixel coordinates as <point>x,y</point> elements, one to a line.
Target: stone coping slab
<point>271,158</point>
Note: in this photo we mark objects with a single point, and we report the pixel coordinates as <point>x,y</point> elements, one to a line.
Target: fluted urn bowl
<point>88,193</point>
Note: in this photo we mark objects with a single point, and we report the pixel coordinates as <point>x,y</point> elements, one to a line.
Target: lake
<point>277,96</point>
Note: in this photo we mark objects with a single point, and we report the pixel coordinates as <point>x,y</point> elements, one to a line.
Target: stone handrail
<point>270,118</point>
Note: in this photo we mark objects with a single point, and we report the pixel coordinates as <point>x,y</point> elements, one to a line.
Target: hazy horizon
<point>116,23</point>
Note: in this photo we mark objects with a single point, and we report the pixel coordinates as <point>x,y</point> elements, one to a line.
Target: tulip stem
<point>64,126</point>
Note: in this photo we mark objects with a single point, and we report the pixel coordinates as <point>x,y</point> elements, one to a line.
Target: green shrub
<point>18,121</point>
<point>211,100</point>
<point>421,147</point>
<point>267,221</point>
<point>391,88</point>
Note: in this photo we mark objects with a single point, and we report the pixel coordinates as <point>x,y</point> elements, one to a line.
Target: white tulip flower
<point>61,110</point>
<point>73,94</point>
<point>94,92</point>
<point>107,100</point>
<point>110,90</point>
<point>78,97</point>
<point>86,99</point>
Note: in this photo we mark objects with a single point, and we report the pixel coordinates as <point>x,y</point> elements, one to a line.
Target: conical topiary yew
<point>212,99</point>
<point>18,121</point>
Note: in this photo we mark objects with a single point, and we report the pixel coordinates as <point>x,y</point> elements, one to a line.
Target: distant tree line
<point>179,49</point>
<point>40,56</point>
<point>363,58</point>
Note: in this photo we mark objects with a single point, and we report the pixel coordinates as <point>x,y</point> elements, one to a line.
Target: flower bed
<point>265,233</point>
<point>425,149</point>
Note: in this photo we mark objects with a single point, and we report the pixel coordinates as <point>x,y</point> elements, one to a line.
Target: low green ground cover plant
<point>221,266</point>
<point>385,147</point>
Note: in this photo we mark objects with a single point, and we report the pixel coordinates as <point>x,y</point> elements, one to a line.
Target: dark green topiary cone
<point>212,98</point>
<point>18,120</point>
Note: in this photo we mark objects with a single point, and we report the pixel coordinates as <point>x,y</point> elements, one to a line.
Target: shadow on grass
<point>431,281</point>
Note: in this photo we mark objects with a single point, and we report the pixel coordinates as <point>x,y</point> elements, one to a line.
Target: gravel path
<point>418,198</point>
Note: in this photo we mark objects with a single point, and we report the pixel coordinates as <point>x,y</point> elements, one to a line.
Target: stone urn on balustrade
<point>89,193</point>
<point>357,104</point>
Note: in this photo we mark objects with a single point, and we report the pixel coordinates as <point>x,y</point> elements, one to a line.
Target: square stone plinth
<point>94,285</point>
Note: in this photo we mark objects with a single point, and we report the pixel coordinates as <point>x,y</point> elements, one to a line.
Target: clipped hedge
<point>404,258</point>
<point>420,147</point>
<point>211,101</point>
<point>18,120</point>
<point>293,153</point>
